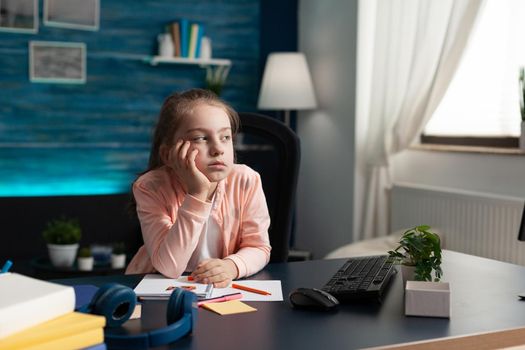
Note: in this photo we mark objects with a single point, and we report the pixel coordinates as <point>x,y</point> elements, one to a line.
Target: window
<point>482,101</point>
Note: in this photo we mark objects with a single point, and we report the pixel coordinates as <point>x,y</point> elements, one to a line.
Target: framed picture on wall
<point>57,62</point>
<point>19,16</point>
<point>75,14</point>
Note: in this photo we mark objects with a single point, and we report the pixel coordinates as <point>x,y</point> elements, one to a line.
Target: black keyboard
<point>361,278</point>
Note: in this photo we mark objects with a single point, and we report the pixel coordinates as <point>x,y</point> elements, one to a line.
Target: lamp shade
<point>286,83</point>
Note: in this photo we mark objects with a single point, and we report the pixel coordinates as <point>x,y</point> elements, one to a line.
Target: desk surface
<point>483,298</point>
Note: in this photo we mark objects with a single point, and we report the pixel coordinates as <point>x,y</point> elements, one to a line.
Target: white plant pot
<point>407,272</point>
<point>118,261</point>
<point>85,263</point>
<point>205,49</point>
<point>62,255</point>
<point>522,136</point>
<point>165,45</point>
<point>430,299</point>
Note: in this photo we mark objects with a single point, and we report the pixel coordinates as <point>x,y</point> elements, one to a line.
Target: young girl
<point>199,212</point>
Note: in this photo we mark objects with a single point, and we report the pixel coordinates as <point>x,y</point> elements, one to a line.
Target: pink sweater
<point>172,220</point>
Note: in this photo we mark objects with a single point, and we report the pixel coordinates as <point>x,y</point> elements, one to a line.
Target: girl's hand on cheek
<point>220,272</point>
<point>182,157</point>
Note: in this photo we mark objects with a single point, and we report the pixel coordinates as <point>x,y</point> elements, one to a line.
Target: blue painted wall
<point>94,138</point>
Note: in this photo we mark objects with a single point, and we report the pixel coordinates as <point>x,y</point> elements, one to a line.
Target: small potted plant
<point>419,251</point>
<point>62,236</point>
<point>215,78</point>
<point>118,255</point>
<point>85,259</point>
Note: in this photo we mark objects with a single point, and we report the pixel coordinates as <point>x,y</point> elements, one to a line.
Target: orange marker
<point>188,287</point>
<point>248,289</point>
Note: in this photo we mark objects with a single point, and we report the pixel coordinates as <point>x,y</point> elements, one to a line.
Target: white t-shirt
<point>210,241</point>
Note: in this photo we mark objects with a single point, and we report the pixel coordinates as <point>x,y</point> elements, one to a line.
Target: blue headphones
<point>116,303</point>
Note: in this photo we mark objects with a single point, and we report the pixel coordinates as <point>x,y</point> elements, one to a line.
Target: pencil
<point>248,289</point>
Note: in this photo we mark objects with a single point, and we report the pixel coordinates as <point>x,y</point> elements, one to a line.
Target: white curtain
<point>406,61</point>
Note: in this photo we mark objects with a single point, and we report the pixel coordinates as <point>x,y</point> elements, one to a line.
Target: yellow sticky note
<point>229,307</point>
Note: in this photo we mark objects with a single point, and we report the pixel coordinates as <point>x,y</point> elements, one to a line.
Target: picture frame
<point>72,14</point>
<point>19,16</point>
<point>57,62</point>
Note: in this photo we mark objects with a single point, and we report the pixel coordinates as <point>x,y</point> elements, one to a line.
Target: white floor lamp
<point>286,84</point>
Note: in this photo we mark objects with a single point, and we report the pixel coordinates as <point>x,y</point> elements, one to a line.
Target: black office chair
<point>521,233</point>
<point>273,150</point>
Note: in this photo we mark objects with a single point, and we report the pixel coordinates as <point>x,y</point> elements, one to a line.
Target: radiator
<point>476,223</point>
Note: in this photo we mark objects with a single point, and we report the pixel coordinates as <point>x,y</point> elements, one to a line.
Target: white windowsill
<point>467,149</point>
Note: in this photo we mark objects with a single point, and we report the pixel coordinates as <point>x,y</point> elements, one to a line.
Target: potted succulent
<point>419,252</point>
<point>216,78</point>
<point>118,255</point>
<point>62,237</point>
<point>85,259</point>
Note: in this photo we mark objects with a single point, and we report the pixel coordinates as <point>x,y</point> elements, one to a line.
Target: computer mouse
<point>313,299</point>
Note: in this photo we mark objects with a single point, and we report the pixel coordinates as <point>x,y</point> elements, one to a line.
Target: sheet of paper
<point>155,286</point>
<point>270,286</point>
<point>229,307</point>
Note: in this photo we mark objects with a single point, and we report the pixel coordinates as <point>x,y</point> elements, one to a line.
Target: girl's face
<point>209,131</point>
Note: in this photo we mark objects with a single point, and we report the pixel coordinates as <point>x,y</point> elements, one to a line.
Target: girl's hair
<point>175,107</point>
<point>178,106</point>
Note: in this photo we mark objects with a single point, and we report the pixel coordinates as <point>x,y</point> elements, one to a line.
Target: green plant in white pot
<point>62,237</point>
<point>85,259</point>
<point>216,78</point>
<point>118,255</point>
<point>419,250</point>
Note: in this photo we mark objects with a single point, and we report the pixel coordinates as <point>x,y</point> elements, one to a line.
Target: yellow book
<point>194,35</point>
<point>76,341</point>
<point>58,330</point>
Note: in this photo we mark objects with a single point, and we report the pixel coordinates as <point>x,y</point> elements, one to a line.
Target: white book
<point>26,302</point>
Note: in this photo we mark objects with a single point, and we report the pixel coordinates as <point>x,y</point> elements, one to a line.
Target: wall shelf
<point>217,69</point>
<point>155,60</point>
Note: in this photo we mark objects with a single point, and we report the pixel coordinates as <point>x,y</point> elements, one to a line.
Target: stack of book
<point>187,37</point>
<point>36,314</point>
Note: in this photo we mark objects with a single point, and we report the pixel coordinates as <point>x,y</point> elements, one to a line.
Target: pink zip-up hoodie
<point>171,222</point>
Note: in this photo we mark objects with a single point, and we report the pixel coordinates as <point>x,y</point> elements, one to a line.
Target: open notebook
<point>156,286</point>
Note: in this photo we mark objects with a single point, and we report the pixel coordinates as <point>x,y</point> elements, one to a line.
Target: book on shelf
<point>25,302</point>
<point>195,38</point>
<point>70,331</point>
<point>175,36</point>
<point>194,31</point>
<point>187,37</point>
<point>199,41</point>
<point>184,36</point>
